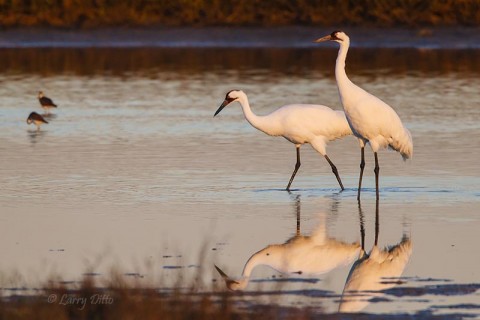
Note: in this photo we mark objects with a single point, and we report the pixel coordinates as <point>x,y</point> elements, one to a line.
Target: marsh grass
<point>96,13</point>
<point>117,298</point>
<point>152,292</point>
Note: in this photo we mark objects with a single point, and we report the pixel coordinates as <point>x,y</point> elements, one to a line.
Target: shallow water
<point>134,172</point>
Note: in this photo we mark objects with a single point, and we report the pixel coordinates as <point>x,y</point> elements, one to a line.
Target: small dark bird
<point>46,102</point>
<point>37,119</point>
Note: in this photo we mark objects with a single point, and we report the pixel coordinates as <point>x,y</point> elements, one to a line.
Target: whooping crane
<point>299,124</point>
<point>370,119</point>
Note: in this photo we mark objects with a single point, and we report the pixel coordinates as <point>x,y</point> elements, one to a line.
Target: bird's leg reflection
<point>377,220</point>
<point>297,211</point>
<point>35,135</point>
<point>297,204</point>
<point>361,218</point>
<point>335,203</point>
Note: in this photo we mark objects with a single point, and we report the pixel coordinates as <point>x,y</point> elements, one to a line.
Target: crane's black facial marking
<point>230,99</point>
<point>232,91</point>
<point>226,102</point>
<point>333,35</point>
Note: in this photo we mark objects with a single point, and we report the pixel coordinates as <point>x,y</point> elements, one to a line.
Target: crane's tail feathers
<point>403,143</point>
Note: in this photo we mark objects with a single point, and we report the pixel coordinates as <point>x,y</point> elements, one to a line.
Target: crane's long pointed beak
<point>224,104</point>
<point>224,276</point>
<point>326,38</point>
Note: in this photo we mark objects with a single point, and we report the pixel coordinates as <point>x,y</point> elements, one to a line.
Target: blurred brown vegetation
<point>97,13</point>
<point>118,299</point>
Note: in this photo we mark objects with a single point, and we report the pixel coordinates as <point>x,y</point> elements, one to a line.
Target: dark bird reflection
<point>36,135</point>
<point>376,271</point>
<point>310,255</point>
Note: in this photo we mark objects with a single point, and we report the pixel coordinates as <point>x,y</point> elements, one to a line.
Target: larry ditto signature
<point>67,299</point>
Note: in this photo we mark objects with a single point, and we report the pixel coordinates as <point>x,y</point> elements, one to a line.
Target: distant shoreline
<point>201,13</point>
<point>238,37</point>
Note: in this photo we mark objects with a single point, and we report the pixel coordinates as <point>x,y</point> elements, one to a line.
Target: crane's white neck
<point>267,256</point>
<point>340,73</point>
<point>254,261</point>
<point>258,122</point>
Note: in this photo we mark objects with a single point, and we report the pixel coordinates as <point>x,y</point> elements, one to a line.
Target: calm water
<point>133,172</point>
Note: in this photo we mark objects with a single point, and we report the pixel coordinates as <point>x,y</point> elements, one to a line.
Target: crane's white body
<point>370,119</point>
<point>310,255</point>
<point>299,123</point>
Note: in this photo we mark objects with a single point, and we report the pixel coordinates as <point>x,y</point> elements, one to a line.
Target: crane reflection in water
<point>308,255</point>
<point>369,277</point>
<point>376,271</point>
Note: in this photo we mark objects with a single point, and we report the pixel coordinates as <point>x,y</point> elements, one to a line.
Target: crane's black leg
<point>377,171</point>
<point>297,165</point>
<point>335,171</point>
<point>362,165</point>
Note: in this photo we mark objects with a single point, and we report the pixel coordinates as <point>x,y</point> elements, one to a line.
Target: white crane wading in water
<point>299,124</point>
<point>370,119</point>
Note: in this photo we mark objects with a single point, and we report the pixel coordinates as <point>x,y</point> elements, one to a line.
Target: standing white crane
<point>299,124</point>
<point>370,119</point>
